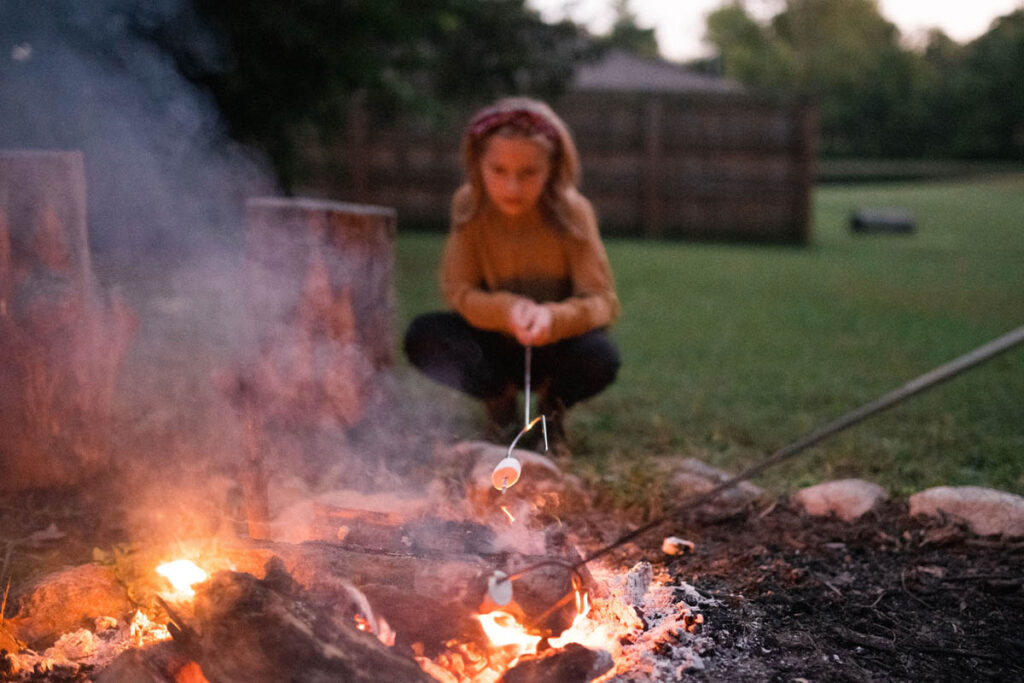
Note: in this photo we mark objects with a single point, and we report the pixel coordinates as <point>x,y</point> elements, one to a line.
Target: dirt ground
<point>888,597</point>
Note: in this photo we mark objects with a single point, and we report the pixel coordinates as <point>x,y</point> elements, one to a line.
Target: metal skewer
<point>506,473</point>
<point>526,387</point>
<point>926,381</point>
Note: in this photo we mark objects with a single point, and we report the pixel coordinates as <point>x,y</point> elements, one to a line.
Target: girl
<point>523,266</point>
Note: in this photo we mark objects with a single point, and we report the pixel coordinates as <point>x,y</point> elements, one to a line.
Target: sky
<point>680,23</point>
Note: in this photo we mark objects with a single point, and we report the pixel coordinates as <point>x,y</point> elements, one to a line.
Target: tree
<point>626,34</point>
<point>992,98</point>
<point>748,52</point>
<point>841,53</point>
<point>277,68</point>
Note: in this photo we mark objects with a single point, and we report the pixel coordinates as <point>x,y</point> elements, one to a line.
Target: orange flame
<point>182,575</point>
<point>503,630</point>
<point>508,514</point>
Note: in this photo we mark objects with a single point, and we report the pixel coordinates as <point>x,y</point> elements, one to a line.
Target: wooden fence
<point>723,166</point>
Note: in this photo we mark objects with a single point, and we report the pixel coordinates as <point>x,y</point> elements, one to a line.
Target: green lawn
<point>731,351</point>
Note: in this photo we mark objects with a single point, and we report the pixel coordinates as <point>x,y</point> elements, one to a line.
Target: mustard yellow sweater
<point>493,260</point>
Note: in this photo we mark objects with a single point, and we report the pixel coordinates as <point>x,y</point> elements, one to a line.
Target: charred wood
<point>271,629</point>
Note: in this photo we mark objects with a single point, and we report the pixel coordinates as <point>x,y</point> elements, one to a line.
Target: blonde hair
<point>534,120</point>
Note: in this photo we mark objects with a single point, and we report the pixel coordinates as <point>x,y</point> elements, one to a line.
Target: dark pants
<point>482,364</point>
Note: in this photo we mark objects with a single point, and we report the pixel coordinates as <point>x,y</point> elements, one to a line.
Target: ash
<point>79,653</point>
<point>660,635</point>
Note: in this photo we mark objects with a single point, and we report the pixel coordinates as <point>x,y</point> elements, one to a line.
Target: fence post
<point>805,134</point>
<point>650,210</point>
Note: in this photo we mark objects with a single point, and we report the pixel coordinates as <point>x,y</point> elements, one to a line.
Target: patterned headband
<point>520,119</point>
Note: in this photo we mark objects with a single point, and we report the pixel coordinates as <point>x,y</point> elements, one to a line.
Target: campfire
<point>498,640</point>
<point>477,580</point>
<point>371,595</point>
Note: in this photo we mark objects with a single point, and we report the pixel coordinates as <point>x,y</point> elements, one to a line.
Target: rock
<point>66,601</point>
<point>986,511</point>
<point>540,481</point>
<point>692,477</point>
<point>849,499</point>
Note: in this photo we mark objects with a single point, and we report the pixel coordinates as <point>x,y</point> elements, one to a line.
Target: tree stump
<point>321,291</point>
<point>61,341</point>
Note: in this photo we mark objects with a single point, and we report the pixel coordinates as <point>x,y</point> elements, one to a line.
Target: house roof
<point>618,70</point>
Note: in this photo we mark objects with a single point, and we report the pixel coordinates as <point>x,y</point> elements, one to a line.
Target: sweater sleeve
<point>462,285</point>
<point>594,302</point>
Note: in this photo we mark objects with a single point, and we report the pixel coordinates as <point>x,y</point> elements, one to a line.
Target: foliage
<point>280,70</point>
<point>876,97</point>
<point>627,35</point>
<point>746,49</point>
<point>730,351</point>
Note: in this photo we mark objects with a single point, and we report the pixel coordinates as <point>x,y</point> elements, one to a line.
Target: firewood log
<point>270,630</point>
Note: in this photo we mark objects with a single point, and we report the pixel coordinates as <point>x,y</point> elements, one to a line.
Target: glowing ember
<point>362,624</point>
<point>508,514</point>
<point>182,575</point>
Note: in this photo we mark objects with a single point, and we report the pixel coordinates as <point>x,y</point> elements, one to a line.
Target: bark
<point>61,340</point>
<point>320,283</point>
<point>269,629</point>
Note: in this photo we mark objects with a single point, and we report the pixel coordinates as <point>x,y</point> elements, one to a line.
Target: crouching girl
<point>523,265</point>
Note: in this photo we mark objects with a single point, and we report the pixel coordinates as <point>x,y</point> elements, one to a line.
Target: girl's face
<point>514,171</point>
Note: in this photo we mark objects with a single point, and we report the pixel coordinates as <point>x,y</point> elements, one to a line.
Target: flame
<point>503,630</point>
<point>182,575</point>
<point>508,514</point>
<point>578,631</point>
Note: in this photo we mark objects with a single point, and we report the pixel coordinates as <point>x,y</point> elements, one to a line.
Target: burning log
<point>570,664</point>
<point>271,630</point>
<point>61,342</point>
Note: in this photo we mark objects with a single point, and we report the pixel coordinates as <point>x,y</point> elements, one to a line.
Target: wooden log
<point>61,340</point>
<point>321,287</point>
<point>430,593</point>
<point>570,664</point>
<point>160,663</point>
<point>335,264</point>
<point>270,629</point>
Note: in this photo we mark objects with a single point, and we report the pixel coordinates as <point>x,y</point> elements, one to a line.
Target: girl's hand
<point>531,323</point>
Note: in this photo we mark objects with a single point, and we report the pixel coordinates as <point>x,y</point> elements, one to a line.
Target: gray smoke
<point>160,171</point>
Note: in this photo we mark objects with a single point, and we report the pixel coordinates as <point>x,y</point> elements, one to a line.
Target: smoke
<point>166,192</point>
<point>161,173</point>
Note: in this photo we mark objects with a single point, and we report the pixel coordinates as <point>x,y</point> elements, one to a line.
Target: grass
<point>732,351</point>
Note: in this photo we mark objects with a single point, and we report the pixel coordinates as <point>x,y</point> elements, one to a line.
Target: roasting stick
<point>506,473</point>
<point>527,360</point>
<point>915,386</point>
<point>527,424</point>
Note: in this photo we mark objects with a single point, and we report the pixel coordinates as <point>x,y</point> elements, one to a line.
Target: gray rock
<point>848,499</point>
<point>540,481</point>
<point>986,511</point>
<point>692,477</point>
